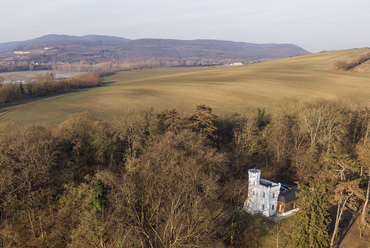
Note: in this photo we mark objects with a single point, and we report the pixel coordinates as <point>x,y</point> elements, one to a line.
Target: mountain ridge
<point>102,48</point>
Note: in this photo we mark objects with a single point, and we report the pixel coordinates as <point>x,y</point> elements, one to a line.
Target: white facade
<point>21,52</point>
<point>236,64</point>
<point>262,194</point>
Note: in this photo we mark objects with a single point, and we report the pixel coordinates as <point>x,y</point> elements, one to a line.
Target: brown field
<point>226,89</point>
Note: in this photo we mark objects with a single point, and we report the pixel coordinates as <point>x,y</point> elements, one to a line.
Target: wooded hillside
<point>60,49</point>
<point>161,180</point>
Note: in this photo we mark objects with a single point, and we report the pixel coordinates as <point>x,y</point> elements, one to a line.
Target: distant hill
<point>8,45</point>
<point>53,39</point>
<point>100,48</point>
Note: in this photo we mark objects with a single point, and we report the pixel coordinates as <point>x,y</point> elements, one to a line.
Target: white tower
<point>262,194</point>
<point>252,203</point>
<point>254,176</point>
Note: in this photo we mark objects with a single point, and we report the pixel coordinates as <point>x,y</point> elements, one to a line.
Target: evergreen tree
<point>203,121</point>
<point>311,223</point>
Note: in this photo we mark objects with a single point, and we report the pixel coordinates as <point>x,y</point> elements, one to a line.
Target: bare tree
<point>279,137</point>
<point>364,155</point>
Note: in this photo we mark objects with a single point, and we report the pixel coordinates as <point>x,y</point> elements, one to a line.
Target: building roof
<point>267,182</point>
<point>254,170</point>
<point>288,193</point>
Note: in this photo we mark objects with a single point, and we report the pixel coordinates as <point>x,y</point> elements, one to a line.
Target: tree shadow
<point>3,108</point>
<point>346,223</point>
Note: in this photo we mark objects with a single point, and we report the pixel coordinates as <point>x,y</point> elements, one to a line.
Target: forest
<point>164,179</point>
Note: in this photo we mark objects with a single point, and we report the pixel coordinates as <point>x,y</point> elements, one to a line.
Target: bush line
<point>346,66</point>
<point>47,84</point>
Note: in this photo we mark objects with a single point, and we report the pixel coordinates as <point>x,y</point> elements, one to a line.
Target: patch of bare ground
<point>352,237</point>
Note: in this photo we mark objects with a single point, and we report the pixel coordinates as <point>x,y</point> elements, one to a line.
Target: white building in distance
<point>236,64</point>
<point>21,52</point>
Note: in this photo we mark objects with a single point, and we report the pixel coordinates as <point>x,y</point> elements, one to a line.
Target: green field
<point>225,89</point>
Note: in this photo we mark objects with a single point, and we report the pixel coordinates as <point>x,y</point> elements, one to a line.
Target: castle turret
<point>252,203</point>
<point>254,176</point>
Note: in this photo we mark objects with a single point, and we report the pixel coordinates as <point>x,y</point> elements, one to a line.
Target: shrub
<point>345,66</point>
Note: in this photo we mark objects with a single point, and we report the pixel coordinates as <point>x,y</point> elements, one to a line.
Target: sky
<point>315,25</point>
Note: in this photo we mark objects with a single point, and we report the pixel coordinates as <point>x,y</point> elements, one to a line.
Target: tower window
<point>263,195</point>
<point>273,207</point>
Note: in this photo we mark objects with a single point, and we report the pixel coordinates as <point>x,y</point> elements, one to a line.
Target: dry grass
<point>225,89</point>
<point>353,240</point>
<point>364,67</point>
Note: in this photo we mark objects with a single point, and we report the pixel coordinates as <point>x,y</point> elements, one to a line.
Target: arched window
<point>273,207</point>
<point>263,206</point>
<point>263,195</point>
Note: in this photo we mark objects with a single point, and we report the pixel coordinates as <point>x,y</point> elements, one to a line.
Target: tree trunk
<point>31,222</point>
<point>339,217</point>
<point>335,227</point>
<point>365,205</point>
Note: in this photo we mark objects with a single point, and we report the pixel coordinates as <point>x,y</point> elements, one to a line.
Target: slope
<point>225,89</point>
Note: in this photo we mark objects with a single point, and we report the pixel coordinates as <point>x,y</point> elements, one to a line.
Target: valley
<point>271,85</point>
<point>183,138</point>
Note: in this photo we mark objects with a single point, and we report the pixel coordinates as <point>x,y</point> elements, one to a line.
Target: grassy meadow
<point>267,85</point>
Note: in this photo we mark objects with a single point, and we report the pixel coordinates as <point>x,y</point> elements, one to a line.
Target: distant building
<point>268,198</point>
<point>236,64</point>
<point>21,52</point>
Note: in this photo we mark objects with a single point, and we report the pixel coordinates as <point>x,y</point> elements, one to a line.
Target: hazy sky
<point>314,25</point>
